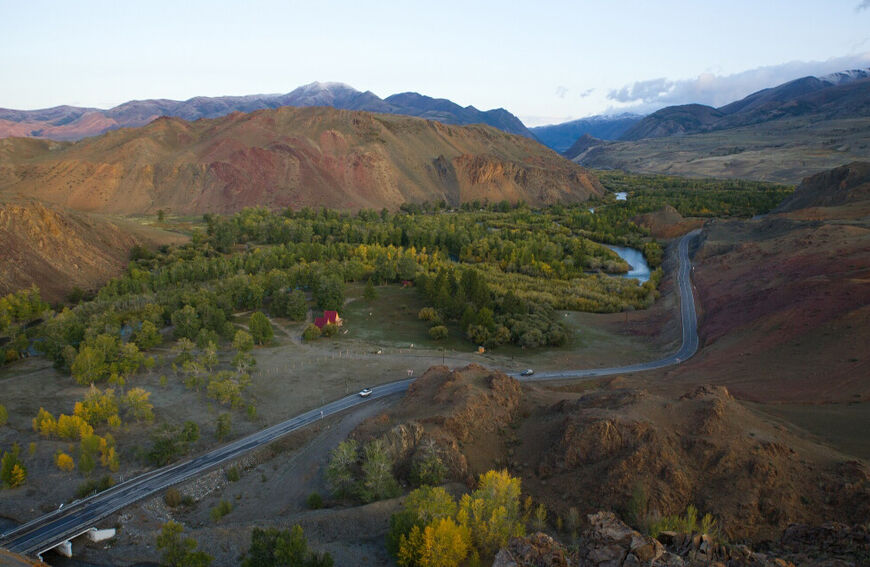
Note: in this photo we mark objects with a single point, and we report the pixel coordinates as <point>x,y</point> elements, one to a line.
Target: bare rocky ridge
<point>289,157</point>
<point>610,543</point>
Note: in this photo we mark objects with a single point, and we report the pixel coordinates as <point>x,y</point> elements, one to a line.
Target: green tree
<point>378,481</point>
<point>243,341</point>
<point>180,551</point>
<point>261,328</point>
<point>369,294</point>
<point>224,426</point>
<point>147,336</point>
<point>340,471</point>
<point>329,293</point>
<point>186,322</point>
<point>90,366</point>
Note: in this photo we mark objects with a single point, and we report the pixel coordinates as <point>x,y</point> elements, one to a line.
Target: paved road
<point>52,529</point>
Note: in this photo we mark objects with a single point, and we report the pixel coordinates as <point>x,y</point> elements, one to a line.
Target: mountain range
<point>67,123</point>
<point>560,137</point>
<point>841,95</point>
<point>289,156</point>
<point>783,134</point>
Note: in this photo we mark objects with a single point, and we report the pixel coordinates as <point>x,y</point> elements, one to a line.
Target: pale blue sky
<point>545,61</point>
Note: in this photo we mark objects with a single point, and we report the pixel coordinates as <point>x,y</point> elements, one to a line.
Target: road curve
<point>50,530</point>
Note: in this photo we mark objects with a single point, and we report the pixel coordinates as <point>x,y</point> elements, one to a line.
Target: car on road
<point>527,372</point>
<point>365,392</point>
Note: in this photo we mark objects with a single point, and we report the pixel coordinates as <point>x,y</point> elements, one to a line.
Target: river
<point>639,268</point>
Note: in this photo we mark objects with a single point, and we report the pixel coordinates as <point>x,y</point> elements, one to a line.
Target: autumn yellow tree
<point>443,543</point>
<point>64,462</point>
<point>44,423</point>
<point>492,512</point>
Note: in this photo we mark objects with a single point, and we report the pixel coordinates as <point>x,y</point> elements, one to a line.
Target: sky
<point>545,61</point>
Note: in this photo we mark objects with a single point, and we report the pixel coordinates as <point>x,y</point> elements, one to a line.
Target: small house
<point>329,317</point>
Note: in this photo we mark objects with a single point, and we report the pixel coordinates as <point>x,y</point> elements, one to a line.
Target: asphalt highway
<point>50,530</point>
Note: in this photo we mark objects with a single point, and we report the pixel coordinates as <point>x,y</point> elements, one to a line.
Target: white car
<point>365,392</point>
<point>527,372</point>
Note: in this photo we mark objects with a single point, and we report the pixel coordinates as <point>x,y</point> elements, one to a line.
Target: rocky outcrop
<point>610,543</point>
<point>609,448</point>
<point>443,412</point>
<point>839,186</point>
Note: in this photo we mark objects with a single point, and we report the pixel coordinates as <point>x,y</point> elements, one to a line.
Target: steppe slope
<point>289,157</point>
<point>58,249</point>
<point>785,299</point>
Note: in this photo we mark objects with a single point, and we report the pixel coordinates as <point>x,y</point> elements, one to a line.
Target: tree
<point>422,507</point>
<point>243,341</point>
<point>378,481</point>
<point>492,512</point>
<point>179,551</point>
<point>147,336</point>
<point>137,404</point>
<point>64,462</point>
<point>261,328</point>
<point>89,365</point>
<point>282,548</point>
<point>406,267</point>
<point>369,294</point>
<point>443,543</point>
<point>186,322</point>
<point>340,472</point>
<point>161,215</point>
<point>4,415</point>
<point>12,472</point>
<point>329,293</point>
<point>224,426</point>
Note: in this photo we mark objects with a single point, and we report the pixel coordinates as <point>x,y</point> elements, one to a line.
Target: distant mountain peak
<point>848,76</point>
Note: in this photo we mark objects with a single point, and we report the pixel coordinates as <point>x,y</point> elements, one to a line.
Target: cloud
<point>863,6</point>
<point>588,92</point>
<point>561,91</point>
<point>718,90</point>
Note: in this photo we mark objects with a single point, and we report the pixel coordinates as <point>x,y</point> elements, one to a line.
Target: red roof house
<point>329,317</point>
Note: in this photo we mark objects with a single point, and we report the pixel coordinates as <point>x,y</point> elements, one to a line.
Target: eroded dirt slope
<point>289,157</point>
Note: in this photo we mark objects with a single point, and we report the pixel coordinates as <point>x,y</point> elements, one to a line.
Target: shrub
<point>315,501</point>
<point>329,330</point>
<point>4,415</point>
<point>223,508</point>
<point>172,497</point>
<point>179,551</point>
<point>94,485</point>
<point>438,332</point>
<point>233,474</point>
<point>311,332</point>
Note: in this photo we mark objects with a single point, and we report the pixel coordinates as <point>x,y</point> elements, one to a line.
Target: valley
<point>401,330</point>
